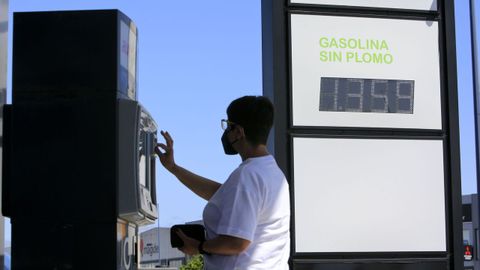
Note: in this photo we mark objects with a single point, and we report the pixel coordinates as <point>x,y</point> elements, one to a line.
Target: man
<point>247,219</point>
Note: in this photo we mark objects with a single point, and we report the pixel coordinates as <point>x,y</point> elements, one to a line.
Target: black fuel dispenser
<point>79,161</point>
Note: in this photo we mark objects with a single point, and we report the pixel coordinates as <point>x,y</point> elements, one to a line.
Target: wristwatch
<point>201,250</point>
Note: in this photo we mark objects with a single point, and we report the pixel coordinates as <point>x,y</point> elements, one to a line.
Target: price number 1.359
<point>366,95</point>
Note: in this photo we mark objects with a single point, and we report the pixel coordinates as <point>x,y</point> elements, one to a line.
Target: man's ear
<point>240,132</point>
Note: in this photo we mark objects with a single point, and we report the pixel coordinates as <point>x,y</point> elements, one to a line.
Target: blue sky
<point>465,92</point>
<point>197,56</point>
<point>194,58</point>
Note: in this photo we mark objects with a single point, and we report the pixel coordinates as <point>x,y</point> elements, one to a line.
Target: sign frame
<point>364,255</point>
<point>277,86</point>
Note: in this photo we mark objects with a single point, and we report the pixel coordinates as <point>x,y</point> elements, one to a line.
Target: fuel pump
<point>78,156</point>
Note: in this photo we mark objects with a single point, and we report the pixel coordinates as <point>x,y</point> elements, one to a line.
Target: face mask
<point>227,146</point>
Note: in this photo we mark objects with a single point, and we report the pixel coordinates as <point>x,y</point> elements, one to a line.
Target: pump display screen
<point>142,163</point>
<point>366,95</point>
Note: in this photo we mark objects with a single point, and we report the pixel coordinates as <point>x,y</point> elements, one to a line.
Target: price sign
<point>365,72</point>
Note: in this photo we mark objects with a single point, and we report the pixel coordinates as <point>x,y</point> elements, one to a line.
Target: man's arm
<point>226,245</point>
<point>201,186</point>
<point>221,245</point>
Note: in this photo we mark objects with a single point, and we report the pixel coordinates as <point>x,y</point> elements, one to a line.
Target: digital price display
<point>366,95</point>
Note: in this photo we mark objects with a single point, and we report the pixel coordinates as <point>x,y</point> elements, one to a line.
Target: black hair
<point>255,114</point>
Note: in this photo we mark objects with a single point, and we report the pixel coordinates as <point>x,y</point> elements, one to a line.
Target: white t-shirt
<point>253,204</point>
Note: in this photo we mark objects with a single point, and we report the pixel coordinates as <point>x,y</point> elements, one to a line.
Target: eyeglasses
<point>227,124</point>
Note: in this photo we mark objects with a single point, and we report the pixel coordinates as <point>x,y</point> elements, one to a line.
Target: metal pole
<point>158,236</point>
<point>3,98</point>
<point>476,95</point>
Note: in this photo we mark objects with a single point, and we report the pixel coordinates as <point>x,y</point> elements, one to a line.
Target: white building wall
<point>157,249</point>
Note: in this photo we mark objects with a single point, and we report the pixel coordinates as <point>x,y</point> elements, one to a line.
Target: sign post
<point>367,131</point>
<point>3,98</point>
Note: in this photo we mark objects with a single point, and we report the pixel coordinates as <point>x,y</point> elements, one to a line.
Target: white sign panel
<point>365,72</point>
<point>369,195</point>
<point>397,4</point>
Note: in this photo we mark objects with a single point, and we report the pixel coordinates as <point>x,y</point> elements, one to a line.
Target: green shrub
<point>195,263</point>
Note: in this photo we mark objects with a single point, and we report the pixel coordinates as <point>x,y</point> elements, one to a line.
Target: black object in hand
<point>195,231</point>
